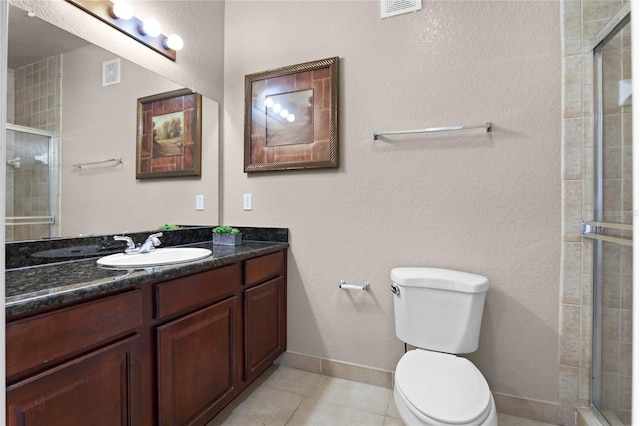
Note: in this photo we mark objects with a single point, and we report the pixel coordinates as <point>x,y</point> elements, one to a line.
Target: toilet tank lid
<point>443,279</point>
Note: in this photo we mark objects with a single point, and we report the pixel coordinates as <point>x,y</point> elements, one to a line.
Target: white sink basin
<point>158,257</point>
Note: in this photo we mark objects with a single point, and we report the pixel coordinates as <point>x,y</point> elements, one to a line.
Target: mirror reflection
<point>67,104</point>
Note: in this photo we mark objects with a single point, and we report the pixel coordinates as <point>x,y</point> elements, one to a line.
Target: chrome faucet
<point>149,245</point>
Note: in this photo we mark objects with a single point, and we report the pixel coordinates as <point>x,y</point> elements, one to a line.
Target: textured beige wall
<point>488,204</point>
<point>100,123</point>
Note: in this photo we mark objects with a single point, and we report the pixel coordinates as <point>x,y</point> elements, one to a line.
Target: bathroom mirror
<point>71,154</point>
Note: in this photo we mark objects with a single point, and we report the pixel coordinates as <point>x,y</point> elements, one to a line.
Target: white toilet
<point>439,311</point>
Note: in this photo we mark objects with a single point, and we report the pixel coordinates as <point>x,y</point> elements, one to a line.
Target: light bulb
<point>284,113</point>
<point>291,118</point>
<point>268,102</point>
<point>150,27</point>
<point>121,9</point>
<point>277,108</point>
<point>174,41</point>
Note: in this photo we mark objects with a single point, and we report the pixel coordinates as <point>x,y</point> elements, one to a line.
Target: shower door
<point>613,225</point>
<point>28,184</point>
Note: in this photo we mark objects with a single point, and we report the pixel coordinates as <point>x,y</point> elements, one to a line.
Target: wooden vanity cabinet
<point>76,366</point>
<point>265,322</point>
<point>227,326</point>
<point>198,352</point>
<point>169,353</point>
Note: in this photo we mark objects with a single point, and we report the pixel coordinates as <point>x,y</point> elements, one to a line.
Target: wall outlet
<point>247,205</point>
<point>199,202</point>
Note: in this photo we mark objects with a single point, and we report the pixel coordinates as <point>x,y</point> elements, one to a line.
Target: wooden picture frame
<point>291,117</point>
<point>169,135</point>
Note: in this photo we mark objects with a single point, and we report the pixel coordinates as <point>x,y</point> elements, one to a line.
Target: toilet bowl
<point>433,388</point>
<point>439,311</point>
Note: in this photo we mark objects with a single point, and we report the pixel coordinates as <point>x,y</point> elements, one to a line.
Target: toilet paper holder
<point>343,285</point>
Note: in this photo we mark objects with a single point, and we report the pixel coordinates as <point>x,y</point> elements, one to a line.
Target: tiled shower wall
<point>9,211</point>
<point>35,101</point>
<point>582,21</point>
<point>37,94</point>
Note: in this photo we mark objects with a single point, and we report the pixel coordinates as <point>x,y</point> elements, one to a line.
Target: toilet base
<point>411,419</point>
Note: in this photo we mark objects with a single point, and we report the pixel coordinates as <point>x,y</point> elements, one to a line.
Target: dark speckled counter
<point>42,286</point>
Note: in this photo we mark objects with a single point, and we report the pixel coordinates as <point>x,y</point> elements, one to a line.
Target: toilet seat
<point>442,388</point>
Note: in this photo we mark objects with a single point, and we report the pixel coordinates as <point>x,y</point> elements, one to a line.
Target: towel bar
<point>486,126</point>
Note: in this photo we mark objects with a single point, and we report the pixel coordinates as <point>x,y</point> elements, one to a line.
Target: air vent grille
<point>396,7</point>
<point>111,72</point>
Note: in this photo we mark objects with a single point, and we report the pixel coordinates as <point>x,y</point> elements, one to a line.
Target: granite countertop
<point>31,288</point>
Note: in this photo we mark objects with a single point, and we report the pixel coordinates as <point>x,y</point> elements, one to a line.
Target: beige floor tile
<point>293,380</point>
<point>287,396</point>
<point>266,405</point>
<point>507,420</point>
<point>392,421</point>
<point>322,413</point>
<point>374,399</point>
<point>392,410</point>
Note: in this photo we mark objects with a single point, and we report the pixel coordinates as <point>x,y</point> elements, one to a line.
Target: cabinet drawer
<point>262,268</point>
<point>43,338</point>
<point>187,293</point>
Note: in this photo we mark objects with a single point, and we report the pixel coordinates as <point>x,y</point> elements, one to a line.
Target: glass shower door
<point>28,184</point>
<point>613,225</point>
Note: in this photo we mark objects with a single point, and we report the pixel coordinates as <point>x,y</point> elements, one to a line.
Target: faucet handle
<point>155,239</point>
<point>128,240</point>
<point>131,246</point>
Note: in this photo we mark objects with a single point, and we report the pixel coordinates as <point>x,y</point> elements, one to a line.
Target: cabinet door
<point>100,388</point>
<point>196,374</point>
<point>265,328</point>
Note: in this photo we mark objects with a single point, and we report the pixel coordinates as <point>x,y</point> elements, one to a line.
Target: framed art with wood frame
<point>169,135</point>
<point>291,117</point>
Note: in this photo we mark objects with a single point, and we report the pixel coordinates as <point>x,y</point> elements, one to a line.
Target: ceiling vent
<point>396,7</point>
<point>111,72</point>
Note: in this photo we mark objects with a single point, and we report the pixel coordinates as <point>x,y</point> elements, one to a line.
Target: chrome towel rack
<point>486,126</point>
<point>594,229</point>
<point>29,220</point>
<point>93,163</point>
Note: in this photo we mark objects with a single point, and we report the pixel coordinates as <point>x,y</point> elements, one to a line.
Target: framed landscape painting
<point>169,141</point>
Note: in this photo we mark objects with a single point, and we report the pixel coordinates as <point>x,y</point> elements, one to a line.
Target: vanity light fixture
<point>174,41</point>
<point>119,14</point>
<point>121,9</point>
<point>150,27</point>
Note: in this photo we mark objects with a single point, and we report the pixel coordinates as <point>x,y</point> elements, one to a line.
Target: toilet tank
<point>439,309</point>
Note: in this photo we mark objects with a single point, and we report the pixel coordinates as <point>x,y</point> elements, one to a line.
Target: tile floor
<point>287,396</point>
